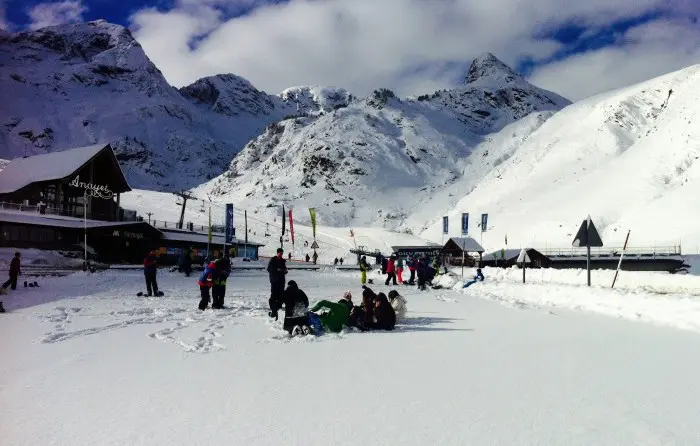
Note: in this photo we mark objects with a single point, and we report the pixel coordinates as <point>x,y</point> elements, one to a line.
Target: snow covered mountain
<point>375,161</point>
<point>73,85</point>
<point>629,158</point>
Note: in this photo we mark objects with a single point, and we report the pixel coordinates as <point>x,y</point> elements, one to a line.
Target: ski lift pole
<point>619,264</point>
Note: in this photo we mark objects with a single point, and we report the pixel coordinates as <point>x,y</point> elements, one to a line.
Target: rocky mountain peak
<point>488,68</point>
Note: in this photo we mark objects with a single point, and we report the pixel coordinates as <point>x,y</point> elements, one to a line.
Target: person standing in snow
<point>277,270</point>
<point>14,272</point>
<point>390,271</point>
<point>341,261</point>
<point>421,270</point>
<point>185,262</point>
<point>335,262</point>
<point>149,271</point>
<point>399,270</point>
<point>296,309</point>
<point>412,263</point>
<point>307,258</point>
<point>315,257</point>
<point>218,289</point>
<point>363,270</point>
<point>399,304</point>
<point>205,282</point>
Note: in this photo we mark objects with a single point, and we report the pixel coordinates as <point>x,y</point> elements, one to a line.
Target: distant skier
<point>296,308</point>
<point>289,256</point>
<point>315,257</point>
<point>14,272</point>
<point>363,270</point>
<point>399,270</point>
<point>150,270</point>
<point>277,270</point>
<point>341,261</point>
<point>335,262</point>
<point>308,258</point>
<point>390,271</point>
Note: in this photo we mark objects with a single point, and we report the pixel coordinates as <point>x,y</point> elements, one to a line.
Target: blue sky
<point>413,46</point>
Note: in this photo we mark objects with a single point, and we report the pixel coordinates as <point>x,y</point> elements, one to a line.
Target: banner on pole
<point>245,217</point>
<point>312,213</point>
<point>210,228</point>
<point>230,231</point>
<point>484,222</point>
<point>445,224</point>
<point>465,223</point>
<point>284,219</point>
<point>291,226</point>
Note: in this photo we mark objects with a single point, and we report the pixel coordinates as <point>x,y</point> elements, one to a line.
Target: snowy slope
<point>75,85</point>
<point>628,158</point>
<point>265,228</point>
<point>372,162</point>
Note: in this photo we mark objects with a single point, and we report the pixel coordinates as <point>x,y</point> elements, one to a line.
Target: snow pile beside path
<point>652,282</point>
<point>661,299</point>
<point>36,257</point>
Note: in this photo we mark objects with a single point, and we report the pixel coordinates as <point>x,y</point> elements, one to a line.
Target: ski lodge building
<point>52,201</point>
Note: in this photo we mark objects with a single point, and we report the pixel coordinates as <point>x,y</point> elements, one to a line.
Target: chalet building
<point>457,248</point>
<point>506,258</point>
<point>54,201</point>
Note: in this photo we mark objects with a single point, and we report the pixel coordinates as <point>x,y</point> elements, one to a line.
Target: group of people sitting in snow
<point>375,312</point>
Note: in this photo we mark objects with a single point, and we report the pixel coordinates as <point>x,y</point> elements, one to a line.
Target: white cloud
<point>4,24</point>
<point>643,52</point>
<point>56,13</point>
<point>365,44</point>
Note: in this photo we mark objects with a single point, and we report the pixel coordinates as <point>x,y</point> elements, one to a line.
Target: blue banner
<point>484,222</point>
<point>465,224</point>
<point>230,230</point>
<point>445,224</point>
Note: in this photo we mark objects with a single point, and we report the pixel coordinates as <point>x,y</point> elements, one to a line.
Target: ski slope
<point>629,158</point>
<point>99,366</point>
<point>333,241</point>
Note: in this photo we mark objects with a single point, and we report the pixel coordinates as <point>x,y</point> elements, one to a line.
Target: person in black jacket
<point>296,309</point>
<point>14,272</point>
<point>277,269</point>
<point>384,314</point>
<point>185,262</point>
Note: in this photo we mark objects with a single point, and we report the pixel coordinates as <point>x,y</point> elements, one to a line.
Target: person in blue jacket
<point>205,282</point>
<point>478,278</point>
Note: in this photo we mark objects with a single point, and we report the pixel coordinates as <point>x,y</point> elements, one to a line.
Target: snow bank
<point>664,299</point>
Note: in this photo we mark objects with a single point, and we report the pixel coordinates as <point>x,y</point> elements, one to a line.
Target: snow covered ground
<point>87,362</point>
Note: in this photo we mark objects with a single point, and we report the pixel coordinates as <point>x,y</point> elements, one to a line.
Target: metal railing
<point>44,209</point>
<point>217,229</point>
<point>652,251</point>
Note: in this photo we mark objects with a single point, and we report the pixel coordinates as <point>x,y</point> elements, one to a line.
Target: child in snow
<point>206,281</point>
<point>399,270</point>
<point>478,278</point>
<point>296,308</point>
<point>399,304</point>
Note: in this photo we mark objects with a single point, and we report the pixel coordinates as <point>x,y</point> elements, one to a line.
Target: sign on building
<point>445,224</point>
<point>94,190</point>
<point>484,222</point>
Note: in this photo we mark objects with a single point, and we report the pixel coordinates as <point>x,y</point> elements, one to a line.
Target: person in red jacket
<point>390,271</point>
<point>14,272</point>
